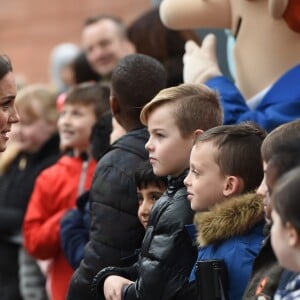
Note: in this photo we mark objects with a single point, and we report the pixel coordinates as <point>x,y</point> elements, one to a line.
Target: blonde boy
<point>174,117</point>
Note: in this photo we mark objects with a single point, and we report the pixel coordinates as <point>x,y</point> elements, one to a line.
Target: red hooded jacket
<point>55,191</point>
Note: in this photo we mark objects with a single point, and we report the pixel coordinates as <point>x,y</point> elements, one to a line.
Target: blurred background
<point>30,29</point>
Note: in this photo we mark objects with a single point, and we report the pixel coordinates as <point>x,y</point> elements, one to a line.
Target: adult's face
<point>8,113</point>
<point>104,45</point>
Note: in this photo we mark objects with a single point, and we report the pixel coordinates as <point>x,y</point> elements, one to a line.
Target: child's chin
<point>67,144</point>
<point>196,207</point>
<point>193,207</point>
<point>157,172</point>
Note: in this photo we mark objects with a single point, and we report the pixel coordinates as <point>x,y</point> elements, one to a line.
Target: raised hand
<point>200,62</point>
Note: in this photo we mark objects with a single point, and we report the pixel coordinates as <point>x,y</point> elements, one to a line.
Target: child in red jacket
<point>57,187</point>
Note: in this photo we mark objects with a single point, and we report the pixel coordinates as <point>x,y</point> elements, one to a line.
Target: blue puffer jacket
<point>232,231</point>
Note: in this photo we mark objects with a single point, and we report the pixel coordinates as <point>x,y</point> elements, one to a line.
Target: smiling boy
<point>225,169</point>
<point>57,187</point>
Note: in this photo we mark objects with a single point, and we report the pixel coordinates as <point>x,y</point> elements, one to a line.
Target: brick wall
<point>31,28</point>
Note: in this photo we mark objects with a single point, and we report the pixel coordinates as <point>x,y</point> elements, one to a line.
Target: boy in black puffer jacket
<point>174,117</point>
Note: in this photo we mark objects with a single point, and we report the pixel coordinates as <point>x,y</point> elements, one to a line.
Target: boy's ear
<point>293,235</point>
<point>197,132</point>
<point>114,106</point>
<point>233,186</point>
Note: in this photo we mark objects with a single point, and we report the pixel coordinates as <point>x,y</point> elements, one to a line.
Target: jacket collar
<point>230,218</point>
<point>138,138</point>
<point>176,183</point>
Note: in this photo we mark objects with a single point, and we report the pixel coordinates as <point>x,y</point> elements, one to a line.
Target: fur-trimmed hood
<point>230,218</point>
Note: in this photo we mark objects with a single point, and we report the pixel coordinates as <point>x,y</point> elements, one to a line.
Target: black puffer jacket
<point>16,186</point>
<point>168,252</point>
<point>115,229</point>
<point>17,183</point>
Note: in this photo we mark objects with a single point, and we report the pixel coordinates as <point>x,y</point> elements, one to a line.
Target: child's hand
<point>113,286</point>
<point>200,62</point>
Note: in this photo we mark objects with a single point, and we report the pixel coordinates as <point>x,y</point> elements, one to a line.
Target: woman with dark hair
<point>151,37</point>
<point>8,116</point>
<point>8,91</point>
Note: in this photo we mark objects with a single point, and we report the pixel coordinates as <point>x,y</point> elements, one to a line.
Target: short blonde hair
<point>195,107</point>
<point>38,101</point>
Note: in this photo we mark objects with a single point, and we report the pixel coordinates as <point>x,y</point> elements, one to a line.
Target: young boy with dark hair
<point>174,117</point>
<point>115,230</point>
<point>149,189</point>
<point>74,231</point>
<point>57,187</point>
<point>225,169</point>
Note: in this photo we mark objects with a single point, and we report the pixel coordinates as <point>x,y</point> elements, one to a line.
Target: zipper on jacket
<point>85,164</point>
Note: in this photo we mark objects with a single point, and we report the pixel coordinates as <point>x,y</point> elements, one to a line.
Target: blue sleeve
<point>74,235</point>
<point>271,113</point>
<point>239,260</point>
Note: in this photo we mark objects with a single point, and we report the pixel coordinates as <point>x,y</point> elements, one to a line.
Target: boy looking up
<point>225,169</point>
<point>174,117</point>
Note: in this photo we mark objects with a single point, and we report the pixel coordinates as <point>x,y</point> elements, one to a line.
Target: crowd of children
<point>135,190</point>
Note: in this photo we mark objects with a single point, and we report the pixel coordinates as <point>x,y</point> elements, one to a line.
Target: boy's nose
<point>262,189</point>
<point>144,209</point>
<point>186,179</point>
<point>148,146</point>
